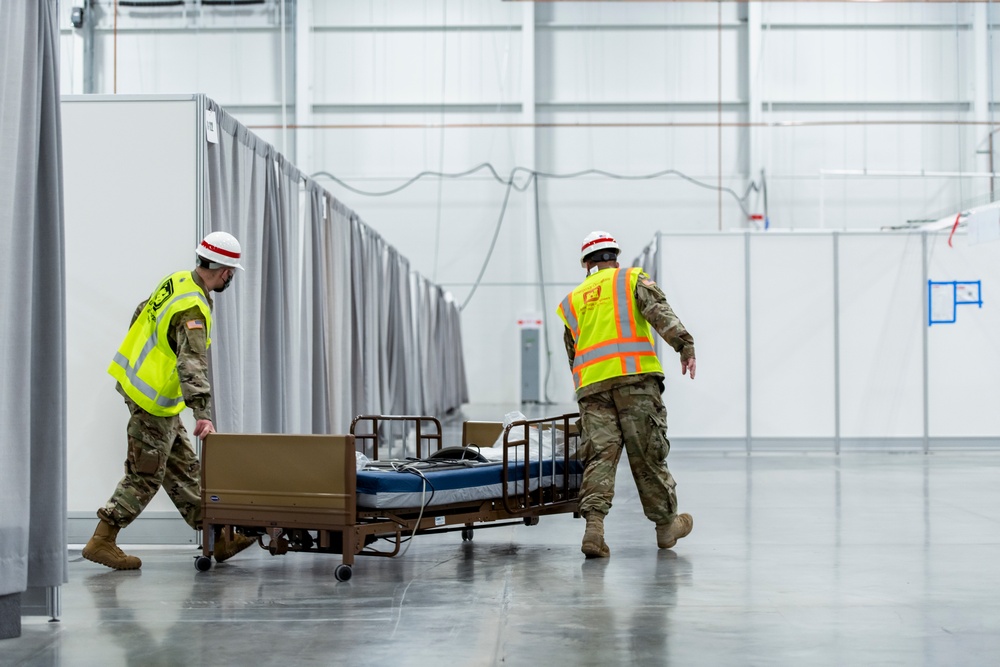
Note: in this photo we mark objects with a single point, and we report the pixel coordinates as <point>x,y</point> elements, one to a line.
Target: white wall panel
<point>686,147</point>
<point>871,141</point>
<point>466,230</point>
<point>491,341</point>
<point>702,277</point>
<point>893,13</point>
<point>236,67</point>
<point>792,335</point>
<point>639,13</point>
<point>881,329</point>
<point>866,65</point>
<point>417,67</point>
<point>417,146</point>
<point>964,358</point>
<point>391,13</point>
<point>130,220</point>
<point>640,66</point>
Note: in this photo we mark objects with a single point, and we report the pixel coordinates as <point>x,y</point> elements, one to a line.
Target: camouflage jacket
<point>654,307</point>
<point>190,344</point>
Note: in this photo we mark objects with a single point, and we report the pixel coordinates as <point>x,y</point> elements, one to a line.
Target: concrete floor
<point>865,559</point>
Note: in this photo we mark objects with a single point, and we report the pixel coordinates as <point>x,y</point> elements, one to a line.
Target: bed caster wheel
<point>531,521</point>
<point>343,572</point>
<point>203,563</point>
<point>466,534</point>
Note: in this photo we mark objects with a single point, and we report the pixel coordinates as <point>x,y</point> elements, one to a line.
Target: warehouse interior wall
<point>637,118</point>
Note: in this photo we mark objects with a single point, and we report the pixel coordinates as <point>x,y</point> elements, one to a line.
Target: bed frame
<point>298,492</point>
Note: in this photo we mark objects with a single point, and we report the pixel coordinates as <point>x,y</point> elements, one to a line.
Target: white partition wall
<point>823,339</point>
<point>792,384</point>
<point>132,216</point>
<point>964,363</point>
<point>882,324</point>
<point>713,405</point>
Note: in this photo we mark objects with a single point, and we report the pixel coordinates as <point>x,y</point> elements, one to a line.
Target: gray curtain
<point>328,320</point>
<point>340,333</point>
<point>317,325</point>
<point>236,182</point>
<point>32,302</point>
<point>649,259</point>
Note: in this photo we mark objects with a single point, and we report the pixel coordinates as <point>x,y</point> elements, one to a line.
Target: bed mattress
<point>385,488</point>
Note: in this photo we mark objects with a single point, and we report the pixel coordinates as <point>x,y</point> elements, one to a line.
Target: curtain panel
<point>328,321</point>
<point>32,305</point>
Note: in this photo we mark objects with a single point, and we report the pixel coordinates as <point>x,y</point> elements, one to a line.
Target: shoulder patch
<point>195,324</point>
<point>648,282</point>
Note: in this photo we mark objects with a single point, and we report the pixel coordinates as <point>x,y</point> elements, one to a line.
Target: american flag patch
<point>195,324</point>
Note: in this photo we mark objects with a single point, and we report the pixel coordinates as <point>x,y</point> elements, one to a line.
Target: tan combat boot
<point>227,548</point>
<point>594,545</point>
<point>102,549</point>
<point>667,536</point>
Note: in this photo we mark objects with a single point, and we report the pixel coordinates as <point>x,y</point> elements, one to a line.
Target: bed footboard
<point>279,488</point>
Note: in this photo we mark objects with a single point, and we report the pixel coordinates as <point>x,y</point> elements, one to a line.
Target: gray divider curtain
<point>32,309</point>
<point>328,321</point>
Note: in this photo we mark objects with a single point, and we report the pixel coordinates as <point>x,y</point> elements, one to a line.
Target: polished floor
<point>862,559</point>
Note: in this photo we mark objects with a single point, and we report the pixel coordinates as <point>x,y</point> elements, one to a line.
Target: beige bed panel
<point>294,472</point>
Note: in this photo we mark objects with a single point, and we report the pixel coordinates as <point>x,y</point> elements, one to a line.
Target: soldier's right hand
<point>203,427</point>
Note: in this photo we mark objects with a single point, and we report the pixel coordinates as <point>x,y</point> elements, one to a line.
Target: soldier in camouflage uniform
<point>159,451</point>
<point>620,402</point>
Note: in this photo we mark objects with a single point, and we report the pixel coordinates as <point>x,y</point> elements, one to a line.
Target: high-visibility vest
<point>612,337</point>
<point>145,365</point>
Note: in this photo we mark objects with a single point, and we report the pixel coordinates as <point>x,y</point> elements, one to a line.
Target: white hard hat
<point>595,241</point>
<point>220,248</point>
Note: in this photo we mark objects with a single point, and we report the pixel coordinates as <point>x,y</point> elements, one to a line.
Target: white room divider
<point>821,341</point>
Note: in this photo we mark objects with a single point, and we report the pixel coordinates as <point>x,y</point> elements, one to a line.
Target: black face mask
<point>226,284</point>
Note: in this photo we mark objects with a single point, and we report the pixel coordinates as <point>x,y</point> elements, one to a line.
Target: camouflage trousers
<point>631,417</point>
<point>159,454</point>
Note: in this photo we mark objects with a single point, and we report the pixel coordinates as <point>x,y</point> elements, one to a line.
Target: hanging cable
<point>740,199</point>
<point>545,309</point>
<point>493,243</point>
<point>510,184</point>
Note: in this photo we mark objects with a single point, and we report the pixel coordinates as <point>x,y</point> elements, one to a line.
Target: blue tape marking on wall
<point>962,293</point>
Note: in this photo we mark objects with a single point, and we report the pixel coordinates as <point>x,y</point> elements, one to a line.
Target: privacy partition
<point>326,322</point>
<point>832,341</point>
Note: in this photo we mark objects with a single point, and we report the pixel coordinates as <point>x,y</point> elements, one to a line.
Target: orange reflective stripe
<point>631,304</point>
<point>616,300</point>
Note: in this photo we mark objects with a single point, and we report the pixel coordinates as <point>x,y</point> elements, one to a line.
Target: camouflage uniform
<point>627,412</point>
<point>159,451</point>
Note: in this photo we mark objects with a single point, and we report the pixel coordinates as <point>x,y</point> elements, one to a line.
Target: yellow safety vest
<point>612,337</point>
<point>145,365</point>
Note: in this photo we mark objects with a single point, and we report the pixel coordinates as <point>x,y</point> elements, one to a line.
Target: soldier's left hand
<point>687,367</point>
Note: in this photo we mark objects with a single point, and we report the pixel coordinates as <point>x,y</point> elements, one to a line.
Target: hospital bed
<point>305,492</point>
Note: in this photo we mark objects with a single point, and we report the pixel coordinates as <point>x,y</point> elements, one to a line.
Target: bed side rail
<point>369,430</point>
<point>552,443</point>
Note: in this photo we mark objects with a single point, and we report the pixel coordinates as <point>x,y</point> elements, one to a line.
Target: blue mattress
<point>381,488</point>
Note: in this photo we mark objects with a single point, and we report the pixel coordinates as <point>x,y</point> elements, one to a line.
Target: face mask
<point>226,284</point>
